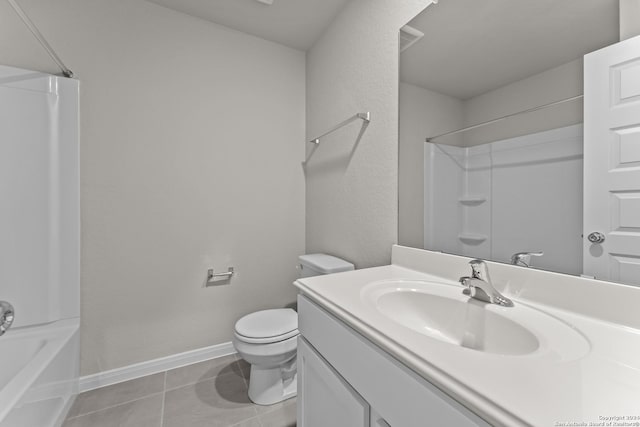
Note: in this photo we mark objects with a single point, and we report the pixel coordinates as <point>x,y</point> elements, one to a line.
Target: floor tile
<point>284,416</point>
<point>105,397</point>
<point>220,401</point>
<point>145,412</point>
<point>197,372</point>
<point>245,368</point>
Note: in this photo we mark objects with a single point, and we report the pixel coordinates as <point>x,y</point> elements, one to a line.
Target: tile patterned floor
<point>211,393</point>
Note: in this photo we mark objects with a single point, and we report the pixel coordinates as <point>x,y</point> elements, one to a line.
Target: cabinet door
<point>324,397</point>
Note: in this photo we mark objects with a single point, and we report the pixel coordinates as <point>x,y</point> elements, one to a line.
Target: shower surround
<point>519,194</point>
<point>39,247</point>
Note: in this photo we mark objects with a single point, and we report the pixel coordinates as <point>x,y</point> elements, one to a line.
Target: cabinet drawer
<point>399,395</point>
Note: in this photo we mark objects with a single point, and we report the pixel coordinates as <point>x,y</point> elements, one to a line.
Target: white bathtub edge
<point>24,388</point>
<point>137,370</point>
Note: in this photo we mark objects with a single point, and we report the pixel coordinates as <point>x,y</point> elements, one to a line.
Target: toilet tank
<point>318,264</point>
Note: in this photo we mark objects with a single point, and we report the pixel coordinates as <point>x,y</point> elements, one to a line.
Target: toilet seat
<point>267,326</point>
<point>267,340</point>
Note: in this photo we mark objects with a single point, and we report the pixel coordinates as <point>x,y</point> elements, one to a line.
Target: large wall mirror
<point>491,131</point>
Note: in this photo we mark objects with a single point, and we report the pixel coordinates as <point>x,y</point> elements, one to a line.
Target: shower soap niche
<point>472,238</point>
<point>472,199</point>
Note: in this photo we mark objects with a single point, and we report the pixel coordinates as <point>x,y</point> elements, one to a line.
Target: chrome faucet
<point>479,285</point>
<point>6,316</point>
<point>523,259</point>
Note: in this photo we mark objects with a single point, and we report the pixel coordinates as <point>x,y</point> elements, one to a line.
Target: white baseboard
<point>154,366</point>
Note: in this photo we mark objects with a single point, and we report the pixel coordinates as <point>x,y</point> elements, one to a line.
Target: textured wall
<point>191,141</point>
<point>352,184</point>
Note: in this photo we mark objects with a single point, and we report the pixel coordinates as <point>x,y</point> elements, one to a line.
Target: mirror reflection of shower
<point>506,176</point>
<point>521,194</point>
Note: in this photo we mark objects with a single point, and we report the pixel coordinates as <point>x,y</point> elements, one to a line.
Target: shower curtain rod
<point>36,33</point>
<point>499,119</point>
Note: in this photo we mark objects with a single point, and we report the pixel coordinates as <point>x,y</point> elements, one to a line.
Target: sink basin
<point>465,323</point>
<point>440,311</point>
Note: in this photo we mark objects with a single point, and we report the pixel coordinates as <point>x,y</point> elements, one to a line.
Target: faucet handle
<point>479,270</point>
<point>524,258</point>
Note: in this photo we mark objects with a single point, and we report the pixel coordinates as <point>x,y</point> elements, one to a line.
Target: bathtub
<point>40,252</point>
<point>38,374</point>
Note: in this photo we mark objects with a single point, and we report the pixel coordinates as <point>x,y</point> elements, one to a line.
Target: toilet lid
<point>267,323</point>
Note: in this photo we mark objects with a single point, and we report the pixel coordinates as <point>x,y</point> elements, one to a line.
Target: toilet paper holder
<point>215,278</point>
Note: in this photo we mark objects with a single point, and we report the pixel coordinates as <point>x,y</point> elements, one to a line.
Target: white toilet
<point>267,339</point>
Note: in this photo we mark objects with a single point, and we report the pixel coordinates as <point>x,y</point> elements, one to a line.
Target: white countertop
<point>543,388</point>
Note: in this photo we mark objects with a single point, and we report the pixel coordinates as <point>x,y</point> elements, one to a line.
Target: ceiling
<point>471,47</point>
<point>294,23</point>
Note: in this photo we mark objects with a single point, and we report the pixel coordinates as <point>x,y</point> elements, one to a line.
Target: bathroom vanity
<point>401,345</point>
<point>346,380</point>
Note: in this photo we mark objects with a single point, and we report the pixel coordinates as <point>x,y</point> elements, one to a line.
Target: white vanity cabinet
<point>330,400</point>
<point>344,380</point>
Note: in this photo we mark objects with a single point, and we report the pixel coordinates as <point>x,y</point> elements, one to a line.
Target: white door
<point>612,163</point>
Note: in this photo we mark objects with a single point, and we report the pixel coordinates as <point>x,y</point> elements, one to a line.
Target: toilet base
<point>272,385</point>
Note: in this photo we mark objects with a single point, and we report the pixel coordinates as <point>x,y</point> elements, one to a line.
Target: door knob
<point>596,237</point>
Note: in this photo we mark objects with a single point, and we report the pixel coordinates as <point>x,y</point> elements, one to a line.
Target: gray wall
<point>629,18</point>
<point>352,193</point>
<point>191,141</point>
<point>552,85</point>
